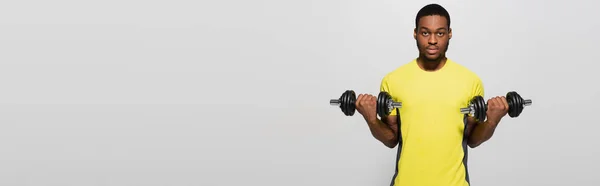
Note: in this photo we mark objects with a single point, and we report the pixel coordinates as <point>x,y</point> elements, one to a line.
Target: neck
<point>431,65</point>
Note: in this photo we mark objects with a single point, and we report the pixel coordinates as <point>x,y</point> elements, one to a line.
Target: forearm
<point>482,132</point>
<point>382,132</point>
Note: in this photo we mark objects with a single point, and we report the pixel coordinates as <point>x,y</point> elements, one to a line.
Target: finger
<point>504,102</point>
<point>492,103</point>
<point>373,100</point>
<point>358,100</point>
<point>497,102</point>
<point>366,100</point>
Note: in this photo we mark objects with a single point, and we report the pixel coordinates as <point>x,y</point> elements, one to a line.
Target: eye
<point>440,34</point>
<point>425,33</point>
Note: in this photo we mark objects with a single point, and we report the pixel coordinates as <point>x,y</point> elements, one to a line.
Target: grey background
<point>234,92</point>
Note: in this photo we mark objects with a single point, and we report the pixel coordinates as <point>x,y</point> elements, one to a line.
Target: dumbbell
<point>347,103</point>
<point>478,106</point>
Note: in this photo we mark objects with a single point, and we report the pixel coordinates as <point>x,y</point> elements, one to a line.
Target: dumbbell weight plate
<point>383,104</point>
<point>479,107</point>
<point>515,104</point>
<point>348,102</point>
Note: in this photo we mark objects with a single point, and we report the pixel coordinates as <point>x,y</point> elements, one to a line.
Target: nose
<point>432,40</point>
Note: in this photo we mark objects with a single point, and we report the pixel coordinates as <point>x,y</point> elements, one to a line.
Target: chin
<point>432,58</point>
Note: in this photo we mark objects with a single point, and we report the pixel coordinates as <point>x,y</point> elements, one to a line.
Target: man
<point>431,134</point>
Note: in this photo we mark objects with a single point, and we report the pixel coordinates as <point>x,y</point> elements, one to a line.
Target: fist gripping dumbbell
<point>478,107</point>
<point>347,103</point>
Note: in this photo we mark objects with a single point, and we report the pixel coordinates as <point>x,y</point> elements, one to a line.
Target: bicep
<point>470,125</point>
<point>477,90</point>
<point>392,119</point>
<point>392,122</point>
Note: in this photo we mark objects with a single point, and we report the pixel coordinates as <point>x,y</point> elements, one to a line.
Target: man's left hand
<point>497,108</point>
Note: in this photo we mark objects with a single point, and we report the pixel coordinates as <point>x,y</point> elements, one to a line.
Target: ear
<point>449,33</point>
<point>415,33</point>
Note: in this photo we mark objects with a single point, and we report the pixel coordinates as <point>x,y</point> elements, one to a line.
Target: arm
<point>385,130</point>
<point>479,132</point>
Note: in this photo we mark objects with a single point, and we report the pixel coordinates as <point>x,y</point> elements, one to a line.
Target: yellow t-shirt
<point>433,148</point>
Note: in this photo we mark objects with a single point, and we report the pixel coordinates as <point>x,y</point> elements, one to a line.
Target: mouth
<point>432,50</point>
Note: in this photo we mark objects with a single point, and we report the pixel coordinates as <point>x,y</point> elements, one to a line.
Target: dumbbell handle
<point>336,102</point>
<point>466,110</point>
<point>396,104</point>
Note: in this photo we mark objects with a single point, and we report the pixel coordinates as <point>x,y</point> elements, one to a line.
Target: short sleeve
<point>478,89</point>
<point>385,88</point>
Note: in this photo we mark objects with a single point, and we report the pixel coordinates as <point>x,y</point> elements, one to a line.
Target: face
<point>433,36</point>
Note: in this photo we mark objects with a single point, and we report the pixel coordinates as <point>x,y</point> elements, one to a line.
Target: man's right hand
<point>366,104</point>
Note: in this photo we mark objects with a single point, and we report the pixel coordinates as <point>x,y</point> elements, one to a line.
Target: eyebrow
<point>430,29</point>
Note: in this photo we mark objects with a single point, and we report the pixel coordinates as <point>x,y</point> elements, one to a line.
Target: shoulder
<point>400,72</point>
<point>464,71</point>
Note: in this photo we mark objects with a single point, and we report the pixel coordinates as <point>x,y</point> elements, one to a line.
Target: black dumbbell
<point>347,103</point>
<point>478,106</point>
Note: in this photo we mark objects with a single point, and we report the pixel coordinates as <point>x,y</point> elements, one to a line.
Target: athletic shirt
<point>432,150</point>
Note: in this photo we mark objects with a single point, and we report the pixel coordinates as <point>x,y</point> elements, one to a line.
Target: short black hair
<point>432,9</point>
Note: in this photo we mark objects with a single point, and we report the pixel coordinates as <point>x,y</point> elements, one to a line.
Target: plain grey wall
<point>125,93</point>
